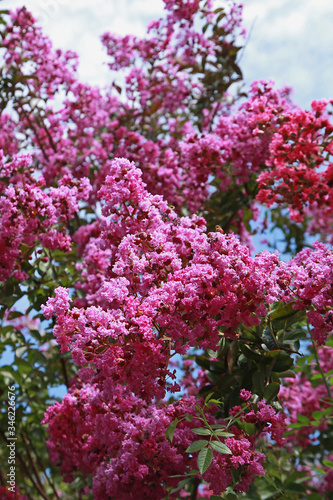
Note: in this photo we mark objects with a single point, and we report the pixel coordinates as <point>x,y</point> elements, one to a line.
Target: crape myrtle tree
<point>193,367</point>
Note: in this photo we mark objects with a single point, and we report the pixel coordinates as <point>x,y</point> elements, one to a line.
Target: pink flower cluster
<point>262,415</point>
<point>161,281</point>
<point>162,285</point>
<point>8,141</point>
<point>325,484</point>
<point>299,173</point>
<point>266,420</point>
<point>120,439</point>
<point>32,214</point>
<point>313,288</point>
<point>28,48</point>
<point>303,396</point>
<point>265,136</point>
<point>92,127</point>
<point>154,284</point>
<point>243,457</point>
<point>247,134</point>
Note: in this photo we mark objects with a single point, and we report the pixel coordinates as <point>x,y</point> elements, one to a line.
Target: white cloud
<point>291,43</point>
<point>291,40</point>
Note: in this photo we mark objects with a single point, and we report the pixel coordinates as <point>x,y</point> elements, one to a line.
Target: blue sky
<point>291,40</point>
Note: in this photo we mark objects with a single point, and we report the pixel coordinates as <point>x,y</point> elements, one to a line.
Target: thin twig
<point>42,467</point>
<point>196,483</point>
<point>64,371</point>
<point>321,371</point>
<point>248,38</point>
<point>33,465</point>
<point>27,471</point>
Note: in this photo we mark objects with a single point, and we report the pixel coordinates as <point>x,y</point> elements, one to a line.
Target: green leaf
<point>221,16</point>
<point>196,446</point>
<point>181,484</point>
<point>283,362</point>
<point>303,419</point>
<point>248,353</point>
<point>294,426</point>
<point>23,366</point>
<point>206,26</point>
<point>171,429</point>
<point>205,458</point>
<point>208,398</point>
<point>203,362</point>
<point>269,339</point>
<point>328,463</point>
<point>317,415</point>
<point>296,477</point>
<point>230,496</point>
<point>201,431</point>
<point>9,373</point>
<point>295,488</point>
<point>317,376</point>
<point>20,351</point>
<point>295,334</point>
<point>216,366</point>
<point>6,373</point>
<point>7,329</point>
<point>271,391</point>
<point>283,312</point>
<point>220,447</point>
<point>212,354</point>
<point>287,373</point>
<point>215,401</point>
<point>14,314</point>
<point>272,483</point>
<point>258,381</point>
<point>225,381</point>
<point>220,432</point>
<point>36,335</point>
<point>247,427</point>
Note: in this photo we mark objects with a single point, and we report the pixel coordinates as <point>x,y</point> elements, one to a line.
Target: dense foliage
<point>194,367</point>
